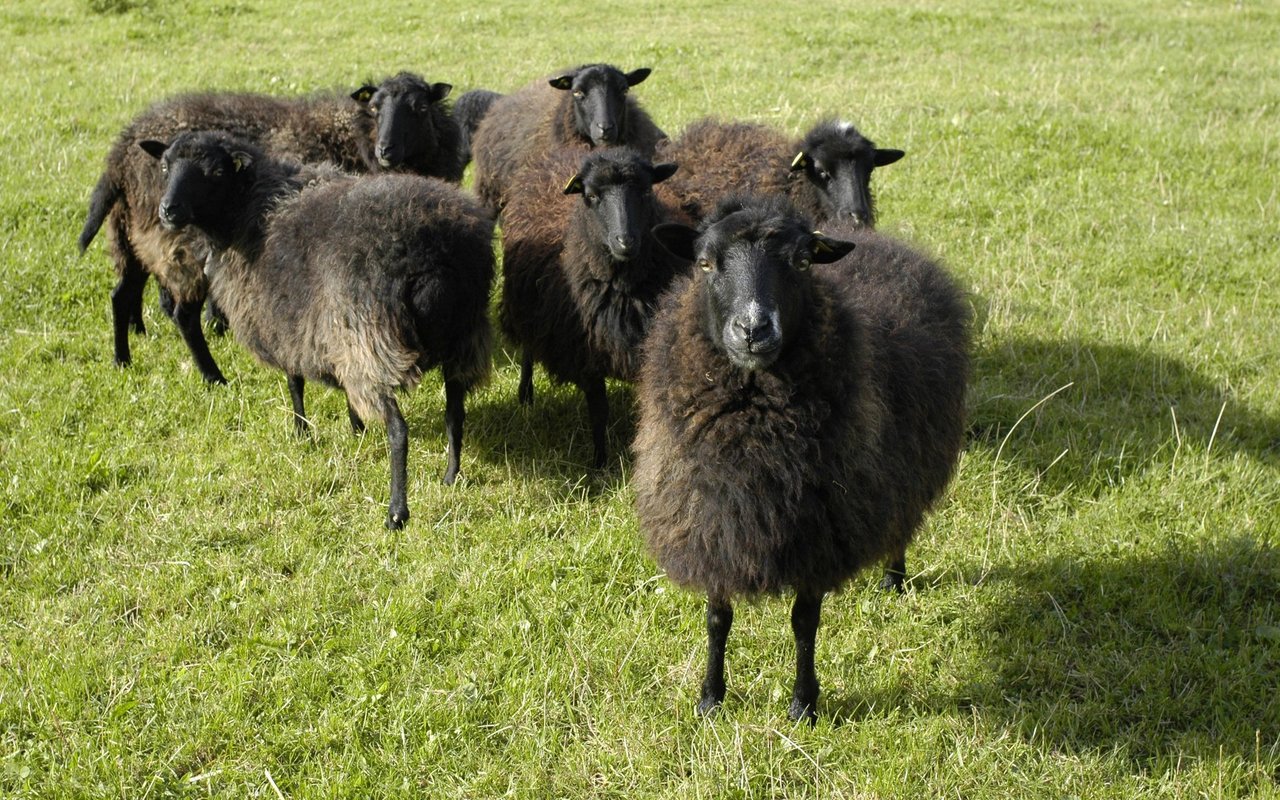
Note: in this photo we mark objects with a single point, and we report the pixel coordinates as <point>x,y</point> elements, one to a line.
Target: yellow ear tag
<point>800,160</point>
<point>574,185</point>
<point>820,245</point>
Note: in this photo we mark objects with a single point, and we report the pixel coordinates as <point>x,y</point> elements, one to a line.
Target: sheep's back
<point>716,159</point>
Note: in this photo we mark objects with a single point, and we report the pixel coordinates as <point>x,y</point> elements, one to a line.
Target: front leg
<point>296,385</point>
<point>187,317</point>
<point>398,442</point>
<point>805,615</point>
<point>598,414</point>
<point>719,621</point>
<point>454,415</point>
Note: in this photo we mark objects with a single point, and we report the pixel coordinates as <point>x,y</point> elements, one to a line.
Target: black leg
<point>525,392</point>
<point>126,299</point>
<point>135,313</point>
<point>296,385</point>
<point>187,318</point>
<point>719,621</point>
<point>895,574</point>
<point>398,440</point>
<point>357,424</point>
<point>598,414</point>
<point>166,302</point>
<point>217,320</point>
<point>804,624</point>
<point>454,416</point>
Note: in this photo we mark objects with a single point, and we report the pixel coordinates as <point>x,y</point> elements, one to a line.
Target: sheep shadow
<point>551,440</point>
<point>1154,656</point>
<point>1121,408</point>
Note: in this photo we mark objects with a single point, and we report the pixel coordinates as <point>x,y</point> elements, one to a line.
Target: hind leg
<point>525,392</point>
<point>126,308</point>
<point>895,574</point>
<point>398,443</point>
<point>455,415</point>
<point>357,424</point>
<point>300,424</point>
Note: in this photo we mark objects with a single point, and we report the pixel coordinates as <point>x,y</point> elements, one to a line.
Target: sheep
<point>400,124</point>
<point>582,275</point>
<point>826,174</point>
<point>587,107</point>
<point>362,283</point>
<point>469,110</point>
<point>801,408</point>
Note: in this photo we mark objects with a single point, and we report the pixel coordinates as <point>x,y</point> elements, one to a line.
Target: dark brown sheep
<point>826,174</point>
<point>581,272</point>
<point>796,421</point>
<point>401,124</point>
<point>584,108</point>
<point>469,110</point>
<point>360,283</point>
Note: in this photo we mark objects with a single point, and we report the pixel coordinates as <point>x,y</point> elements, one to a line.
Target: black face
<point>600,101</point>
<point>402,112</point>
<point>617,190</point>
<point>838,161</point>
<point>201,173</point>
<point>755,264</point>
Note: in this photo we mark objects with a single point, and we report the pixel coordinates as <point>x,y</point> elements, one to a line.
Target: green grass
<point>193,603</point>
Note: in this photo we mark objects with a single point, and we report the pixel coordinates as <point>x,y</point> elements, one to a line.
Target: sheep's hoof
<point>397,519</point>
<point>215,379</point>
<point>123,362</point>
<point>708,705</point>
<point>803,711</point>
<point>893,581</point>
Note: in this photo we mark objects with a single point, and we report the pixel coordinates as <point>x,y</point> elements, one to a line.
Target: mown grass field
<point>193,603</point>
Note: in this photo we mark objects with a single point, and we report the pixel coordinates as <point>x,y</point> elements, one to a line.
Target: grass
<point>194,604</point>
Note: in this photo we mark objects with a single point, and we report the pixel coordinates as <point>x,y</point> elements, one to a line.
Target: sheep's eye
<point>164,167</point>
<point>579,94</point>
<point>215,172</point>
<point>704,264</point>
<point>803,263</point>
<point>591,197</point>
<point>823,174</point>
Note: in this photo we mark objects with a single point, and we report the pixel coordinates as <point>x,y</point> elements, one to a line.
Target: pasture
<point>193,603</point>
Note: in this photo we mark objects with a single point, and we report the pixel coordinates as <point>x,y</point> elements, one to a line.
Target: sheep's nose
<point>605,133</point>
<point>170,214</point>
<point>758,331</point>
<point>625,243</point>
<point>385,153</point>
<point>853,215</point>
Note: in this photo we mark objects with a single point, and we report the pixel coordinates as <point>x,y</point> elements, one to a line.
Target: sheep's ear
<point>574,186</point>
<point>439,91</point>
<point>827,250</point>
<point>241,160</point>
<point>637,76</point>
<point>886,156</point>
<point>663,171</point>
<point>153,148</point>
<point>801,161</point>
<point>562,82</point>
<point>676,239</point>
<point>364,94</point>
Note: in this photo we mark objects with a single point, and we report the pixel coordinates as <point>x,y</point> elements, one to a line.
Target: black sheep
<point>400,124</point>
<point>587,107</point>
<point>581,271</point>
<point>469,110</point>
<point>360,283</point>
<point>827,174</point>
<point>796,420</point>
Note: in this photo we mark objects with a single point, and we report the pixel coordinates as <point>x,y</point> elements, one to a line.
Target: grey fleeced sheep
<point>581,271</point>
<point>826,174</point>
<point>401,124</point>
<point>584,108</point>
<point>801,408</point>
<point>360,283</point>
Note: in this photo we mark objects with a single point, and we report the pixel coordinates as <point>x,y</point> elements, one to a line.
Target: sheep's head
<point>203,173</point>
<point>600,101</point>
<point>404,122</point>
<point>754,256</point>
<point>837,160</point>
<point>617,198</point>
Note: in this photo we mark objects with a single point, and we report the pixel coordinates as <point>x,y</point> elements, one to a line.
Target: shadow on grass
<point>1153,658</point>
<point>1167,655</point>
<point>1123,409</point>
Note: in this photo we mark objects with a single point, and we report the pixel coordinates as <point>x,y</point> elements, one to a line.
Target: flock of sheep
<point>801,393</point>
